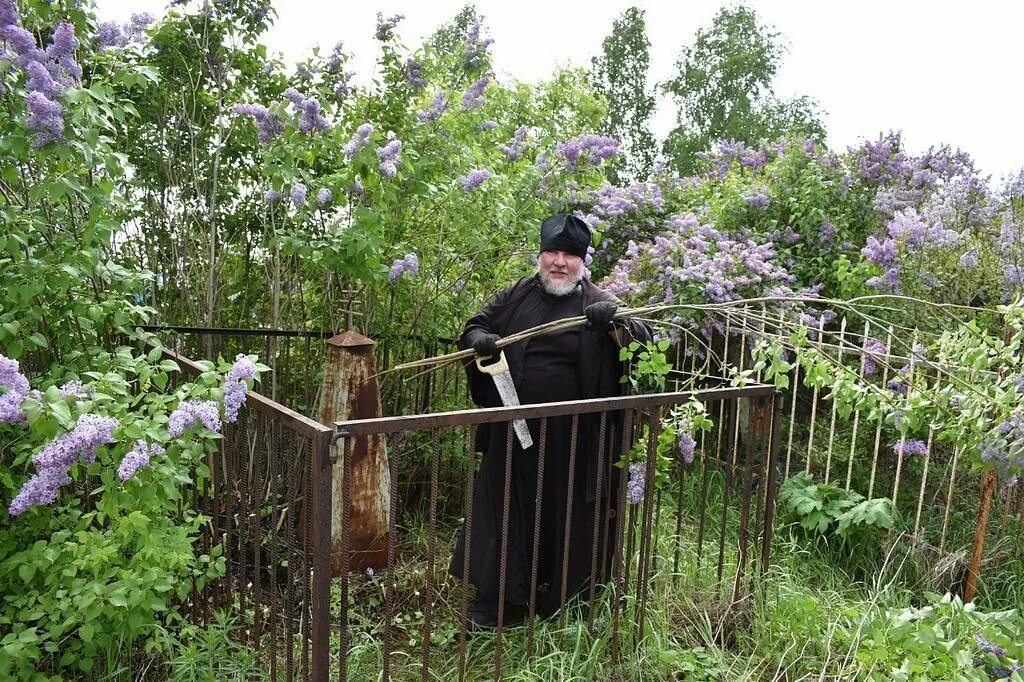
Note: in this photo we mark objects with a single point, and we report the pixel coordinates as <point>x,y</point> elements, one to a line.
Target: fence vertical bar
<point>344,448</point>
<point>878,426</point>
<point>753,424</point>
<point>467,534</point>
<point>814,400</point>
<point>428,601</point>
<point>924,479</point>
<point>769,501</point>
<point>321,595</point>
<point>538,506</point>
<point>646,540</point>
<point>856,412</point>
<point>835,406</point>
<point>503,565</point>
<point>599,518</point>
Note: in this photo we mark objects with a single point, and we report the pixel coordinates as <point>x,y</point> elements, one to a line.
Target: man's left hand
<point>600,314</point>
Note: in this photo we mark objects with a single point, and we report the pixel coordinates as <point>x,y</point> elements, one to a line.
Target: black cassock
<point>570,365</point>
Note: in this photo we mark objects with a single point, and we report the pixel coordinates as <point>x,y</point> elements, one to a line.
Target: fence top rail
<point>281,333</point>
<point>490,415</point>
<point>302,425</point>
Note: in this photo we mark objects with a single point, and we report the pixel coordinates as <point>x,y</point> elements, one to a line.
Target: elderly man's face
<point>559,271</point>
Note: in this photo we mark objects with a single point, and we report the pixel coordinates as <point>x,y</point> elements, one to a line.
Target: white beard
<point>563,289</point>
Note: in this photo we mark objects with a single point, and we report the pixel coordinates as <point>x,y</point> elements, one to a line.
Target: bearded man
<point>574,364</point>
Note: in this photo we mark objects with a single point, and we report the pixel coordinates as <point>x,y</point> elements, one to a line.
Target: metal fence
<point>737,477</point>
<point>266,498</point>
<point>938,496</point>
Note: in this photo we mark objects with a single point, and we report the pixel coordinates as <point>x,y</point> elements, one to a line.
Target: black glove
<point>485,344</point>
<point>599,315</point>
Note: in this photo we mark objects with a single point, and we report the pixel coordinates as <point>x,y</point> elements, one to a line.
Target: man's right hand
<point>486,344</point>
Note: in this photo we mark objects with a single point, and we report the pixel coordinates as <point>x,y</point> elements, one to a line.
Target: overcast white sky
<point>942,72</point>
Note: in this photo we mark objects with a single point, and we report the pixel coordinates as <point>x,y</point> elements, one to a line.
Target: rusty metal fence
<point>266,500</point>
<point>736,471</point>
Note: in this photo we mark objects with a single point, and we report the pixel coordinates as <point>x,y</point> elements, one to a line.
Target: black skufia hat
<point>564,232</point>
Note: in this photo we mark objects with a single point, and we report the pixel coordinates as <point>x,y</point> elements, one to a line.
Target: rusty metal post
<point>349,392</point>
<point>978,546</point>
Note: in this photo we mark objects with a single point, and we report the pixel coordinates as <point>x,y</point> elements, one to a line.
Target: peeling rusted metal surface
<point>349,392</point>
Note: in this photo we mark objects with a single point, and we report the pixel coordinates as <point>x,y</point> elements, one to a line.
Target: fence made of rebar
<point>266,503</point>
<point>939,498</point>
<point>413,615</point>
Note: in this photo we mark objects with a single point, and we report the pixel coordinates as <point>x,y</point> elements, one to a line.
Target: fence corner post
<point>350,392</point>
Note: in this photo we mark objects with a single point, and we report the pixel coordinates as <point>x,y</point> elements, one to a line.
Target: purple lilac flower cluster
<point>388,158</point>
<point>56,459</point>
<point>687,446</point>
<point>50,72</point>
<point>899,384</point>
<point>414,73</point>
<point>475,54</point>
<point>16,387</point>
<point>727,153</point>
<point>359,140</point>
<point>110,34</point>
<point>386,27</point>
<point>513,151</point>
<point>138,458</point>
<point>756,197</point>
<point>299,192</point>
<point>437,107</point>
<point>268,125</point>
<point>586,149</point>
<point>324,196</point>
<point>192,412</point>
<point>873,351</point>
<point>336,60</point>
<point>409,265</point>
<point>637,482</point>
<point>311,116</point>
<point>236,387</point>
<point>905,447</point>
<point>474,179</point>
<point>272,196</point>
<point>473,97</point>
<point>691,260</point>
<point>988,647</point>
